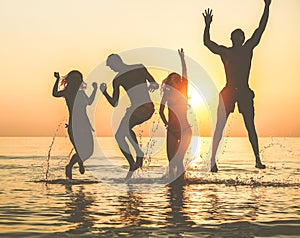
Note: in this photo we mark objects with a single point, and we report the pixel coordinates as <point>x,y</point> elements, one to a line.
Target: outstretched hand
<point>95,86</point>
<point>181,53</point>
<point>56,75</point>
<point>208,17</point>
<point>103,87</point>
<point>153,86</point>
<point>268,2</point>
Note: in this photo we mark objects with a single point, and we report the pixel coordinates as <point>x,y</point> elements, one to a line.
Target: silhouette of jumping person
<point>137,82</point>
<point>179,132</point>
<point>79,126</point>
<point>237,64</point>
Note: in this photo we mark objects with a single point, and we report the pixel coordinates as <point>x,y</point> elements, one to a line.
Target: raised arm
<point>255,38</point>
<point>92,97</point>
<point>212,46</point>
<point>183,64</point>
<point>55,92</point>
<point>115,96</point>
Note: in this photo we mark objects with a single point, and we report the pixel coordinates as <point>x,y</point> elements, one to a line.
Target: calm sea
<point>238,201</point>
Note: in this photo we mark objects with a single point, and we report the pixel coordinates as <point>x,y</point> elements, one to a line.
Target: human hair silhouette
<point>115,62</point>
<point>137,82</point>
<point>79,126</point>
<point>237,63</point>
<point>237,37</point>
<point>179,132</point>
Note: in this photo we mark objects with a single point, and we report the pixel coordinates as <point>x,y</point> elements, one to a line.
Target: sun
<point>195,99</point>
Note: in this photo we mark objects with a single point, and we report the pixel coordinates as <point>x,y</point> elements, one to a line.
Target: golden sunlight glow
<point>40,37</point>
<point>195,99</point>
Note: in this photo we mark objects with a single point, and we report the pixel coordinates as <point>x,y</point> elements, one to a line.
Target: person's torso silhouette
<point>237,65</point>
<point>134,81</point>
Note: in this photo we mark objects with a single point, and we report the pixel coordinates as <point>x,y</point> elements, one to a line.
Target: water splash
<point>70,153</point>
<point>47,169</point>
<point>252,182</point>
<point>275,143</point>
<point>151,142</point>
<point>68,181</point>
<point>189,159</point>
<point>227,129</point>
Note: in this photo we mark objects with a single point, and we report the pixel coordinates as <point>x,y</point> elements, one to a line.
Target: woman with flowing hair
<point>79,126</point>
<point>179,132</point>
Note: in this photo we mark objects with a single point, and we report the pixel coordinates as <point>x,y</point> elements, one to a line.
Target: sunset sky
<point>40,37</point>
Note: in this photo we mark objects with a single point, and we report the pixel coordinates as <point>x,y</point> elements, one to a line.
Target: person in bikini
<point>179,132</point>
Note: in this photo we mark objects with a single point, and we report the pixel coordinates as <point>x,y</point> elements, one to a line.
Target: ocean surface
<point>239,201</point>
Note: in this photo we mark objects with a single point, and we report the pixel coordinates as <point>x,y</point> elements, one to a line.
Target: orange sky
<point>40,37</point>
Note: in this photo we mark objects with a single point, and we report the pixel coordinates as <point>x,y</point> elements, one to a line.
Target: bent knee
<point>119,136</point>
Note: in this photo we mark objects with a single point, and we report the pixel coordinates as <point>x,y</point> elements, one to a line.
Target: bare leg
<point>183,146</point>
<point>75,158</point>
<point>249,123</point>
<point>133,140</point>
<point>81,167</point>
<point>221,122</point>
<point>120,135</point>
<point>134,121</point>
<point>172,147</point>
<point>125,150</point>
<point>139,153</point>
<point>125,130</point>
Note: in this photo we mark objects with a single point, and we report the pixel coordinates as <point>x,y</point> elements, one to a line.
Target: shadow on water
<point>189,181</point>
<point>67,182</point>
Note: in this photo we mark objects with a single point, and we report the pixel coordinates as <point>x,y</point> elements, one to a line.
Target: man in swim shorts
<point>237,63</point>
<point>137,82</point>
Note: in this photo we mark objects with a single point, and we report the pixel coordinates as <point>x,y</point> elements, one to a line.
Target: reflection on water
<point>129,205</point>
<point>177,218</point>
<point>238,202</point>
<point>77,209</point>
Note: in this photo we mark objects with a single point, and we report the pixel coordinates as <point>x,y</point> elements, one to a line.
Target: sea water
<point>238,201</point>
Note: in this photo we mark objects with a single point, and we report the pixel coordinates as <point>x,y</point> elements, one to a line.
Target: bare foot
<point>259,165</point>
<point>214,169</point>
<point>129,175</point>
<point>139,162</point>
<point>81,167</point>
<point>68,172</point>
